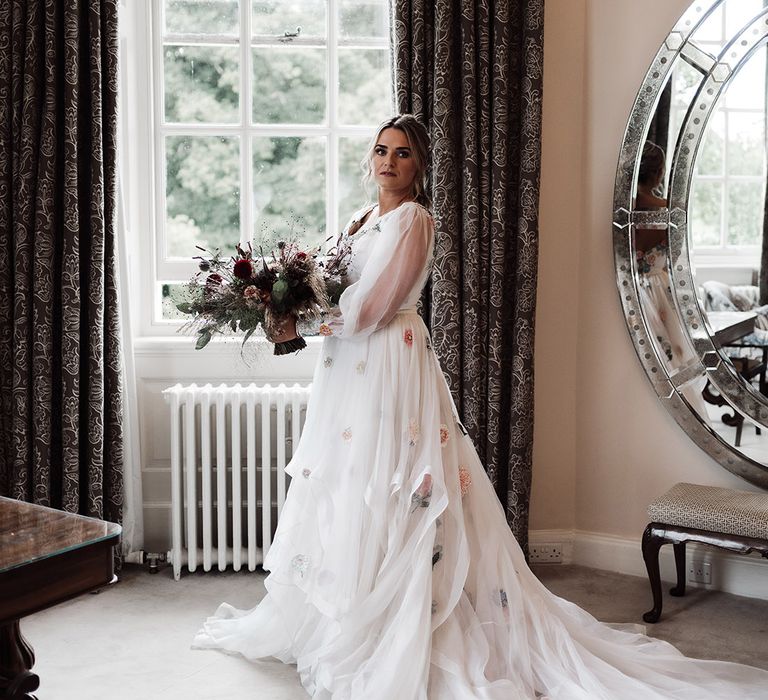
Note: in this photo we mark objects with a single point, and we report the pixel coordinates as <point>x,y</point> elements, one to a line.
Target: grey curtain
<point>472,71</point>
<point>60,406</point>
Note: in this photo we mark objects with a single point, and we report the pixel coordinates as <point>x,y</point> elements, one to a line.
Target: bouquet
<point>245,291</point>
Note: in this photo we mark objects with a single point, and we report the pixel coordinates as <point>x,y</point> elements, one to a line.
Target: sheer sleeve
<point>397,265</point>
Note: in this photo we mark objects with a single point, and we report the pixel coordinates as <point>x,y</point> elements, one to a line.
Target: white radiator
<point>216,434</point>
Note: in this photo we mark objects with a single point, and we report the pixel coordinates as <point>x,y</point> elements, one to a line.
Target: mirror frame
<point>668,383</point>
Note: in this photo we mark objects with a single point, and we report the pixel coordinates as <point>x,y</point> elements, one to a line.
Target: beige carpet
<point>131,641</point>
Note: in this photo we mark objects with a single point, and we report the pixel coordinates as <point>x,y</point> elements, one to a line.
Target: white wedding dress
<point>393,573</point>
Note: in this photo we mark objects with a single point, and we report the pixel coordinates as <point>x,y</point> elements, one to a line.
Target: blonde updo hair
<point>418,140</point>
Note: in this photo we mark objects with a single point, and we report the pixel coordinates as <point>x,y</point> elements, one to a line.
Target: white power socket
<point>699,571</point>
<point>545,553</point>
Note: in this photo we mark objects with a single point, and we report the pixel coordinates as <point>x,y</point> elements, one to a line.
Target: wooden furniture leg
<point>679,589</point>
<point>17,682</point>
<point>651,545</point>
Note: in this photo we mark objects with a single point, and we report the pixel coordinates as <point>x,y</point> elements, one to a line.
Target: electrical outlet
<point>699,571</point>
<point>549,553</point>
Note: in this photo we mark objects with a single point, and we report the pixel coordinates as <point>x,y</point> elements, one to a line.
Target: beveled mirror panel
<point>688,229</point>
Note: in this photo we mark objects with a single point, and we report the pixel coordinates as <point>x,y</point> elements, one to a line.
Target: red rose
<point>243,269</point>
<point>301,255</point>
<point>213,280</point>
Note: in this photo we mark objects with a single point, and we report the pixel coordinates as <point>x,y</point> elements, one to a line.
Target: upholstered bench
<point>733,520</point>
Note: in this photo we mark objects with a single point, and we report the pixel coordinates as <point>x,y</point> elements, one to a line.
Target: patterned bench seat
<point>733,520</point>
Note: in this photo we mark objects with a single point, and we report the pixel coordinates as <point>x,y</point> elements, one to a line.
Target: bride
<point>393,573</point>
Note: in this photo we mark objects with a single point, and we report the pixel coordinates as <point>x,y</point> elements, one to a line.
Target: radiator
<point>229,448</point>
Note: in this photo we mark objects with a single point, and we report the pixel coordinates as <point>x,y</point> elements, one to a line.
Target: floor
<point>131,640</point>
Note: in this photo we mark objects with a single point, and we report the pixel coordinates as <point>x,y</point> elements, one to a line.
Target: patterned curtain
<point>60,400</point>
<point>472,71</point>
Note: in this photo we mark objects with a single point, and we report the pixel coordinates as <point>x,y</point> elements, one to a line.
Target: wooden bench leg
<point>679,589</point>
<point>651,544</point>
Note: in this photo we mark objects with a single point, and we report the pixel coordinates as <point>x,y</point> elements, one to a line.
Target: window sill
<point>149,344</point>
<point>174,358</point>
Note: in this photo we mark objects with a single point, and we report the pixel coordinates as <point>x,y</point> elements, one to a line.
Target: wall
<point>619,448</point>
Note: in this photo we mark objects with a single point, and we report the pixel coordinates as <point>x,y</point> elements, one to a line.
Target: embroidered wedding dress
<point>394,575</point>
<point>663,322</point>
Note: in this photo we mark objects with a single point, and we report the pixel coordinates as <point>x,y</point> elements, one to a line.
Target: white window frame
<point>142,121</point>
<point>725,253</point>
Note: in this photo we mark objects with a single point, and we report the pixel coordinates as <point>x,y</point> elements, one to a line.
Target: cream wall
<point>604,445</point>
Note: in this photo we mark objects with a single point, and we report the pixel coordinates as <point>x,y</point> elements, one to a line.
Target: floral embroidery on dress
<point>328,361</point>
<point>347,435</point>
<point>300,564</point>
<point>305,473</point>
<point>325,329</point>
<point>360,367</point>
<point>421,496</point>
<point>408,336</point>
<point>445,435</point>
<point>503,598</point>
<point>646,260</point>
<point>437,554</point>
<point>434,607</point>
<point>429,345</point>
<point>413,432</point>
<point>465,480</point>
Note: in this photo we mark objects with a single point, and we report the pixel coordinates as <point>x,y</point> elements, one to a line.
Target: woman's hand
<point>286,330</point>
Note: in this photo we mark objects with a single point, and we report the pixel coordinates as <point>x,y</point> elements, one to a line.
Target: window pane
<point>276,17</point>
<point>289,189</point>
<point>202,194</point>
<point>746,143</point>
<point>706,204</point>
<point>201,84</point>
<point>352,196</point>
<point>202,16</point>
<point>364,18</point>
<point>365,91</point>
<point>288,85</point>
<point>745,213</point>
<point>709,159</point>
<point>172,293</point>
<point>712,29</point>
<point>737,14</point>
<point>686,81</point>
<point>746,90</point>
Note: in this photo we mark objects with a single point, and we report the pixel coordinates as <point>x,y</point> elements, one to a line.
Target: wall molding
<point>745,575</point>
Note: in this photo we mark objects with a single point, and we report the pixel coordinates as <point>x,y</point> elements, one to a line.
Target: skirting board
<point>745,575</point>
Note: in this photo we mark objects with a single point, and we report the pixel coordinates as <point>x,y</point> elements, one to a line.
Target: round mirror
<point>690,230</point>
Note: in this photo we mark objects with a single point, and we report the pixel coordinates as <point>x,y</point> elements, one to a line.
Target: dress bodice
<point>367,243</point>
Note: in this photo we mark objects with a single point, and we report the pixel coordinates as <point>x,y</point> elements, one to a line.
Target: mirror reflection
<point>727,229</point>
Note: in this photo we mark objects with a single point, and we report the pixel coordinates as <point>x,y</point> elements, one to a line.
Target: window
<point>262,111</point>
<point>729,178</point>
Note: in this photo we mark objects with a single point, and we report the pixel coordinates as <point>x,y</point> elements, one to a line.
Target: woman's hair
<point>652,164</point>
<point>418,140</point>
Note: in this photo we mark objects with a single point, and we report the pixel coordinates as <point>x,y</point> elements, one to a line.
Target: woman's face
<point>393,163</point>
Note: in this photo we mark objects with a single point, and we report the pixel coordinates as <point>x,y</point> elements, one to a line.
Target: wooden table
<point>729,326</point>
<point>46,556</point>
